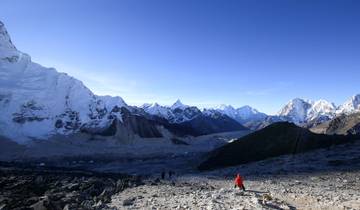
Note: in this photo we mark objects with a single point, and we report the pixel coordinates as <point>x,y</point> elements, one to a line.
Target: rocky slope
<point>277,139</point>
<point>342,125</point>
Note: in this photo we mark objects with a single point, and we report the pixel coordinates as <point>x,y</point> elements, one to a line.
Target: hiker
<point>170,174</point>
<point>163,175</point>
<point>239,182</point>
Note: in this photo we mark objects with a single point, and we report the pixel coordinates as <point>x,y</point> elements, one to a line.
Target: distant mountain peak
<point>296,110</point>
<point>224,107</point>
<point>248,108</point>
<point>179,105</point>
<point>301,111</point>
<point>351,105</point>
<point>324,105</point>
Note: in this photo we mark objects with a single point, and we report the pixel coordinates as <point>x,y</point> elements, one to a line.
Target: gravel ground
<point>58,189</point>
<point>324,179</point>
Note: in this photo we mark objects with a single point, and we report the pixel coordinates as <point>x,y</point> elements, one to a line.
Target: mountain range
<point>38,102</point>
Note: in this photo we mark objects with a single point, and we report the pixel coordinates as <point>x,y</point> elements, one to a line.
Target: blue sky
<point>260,53</point>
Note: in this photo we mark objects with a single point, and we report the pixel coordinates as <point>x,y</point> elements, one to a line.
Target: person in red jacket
<point>239,182</point>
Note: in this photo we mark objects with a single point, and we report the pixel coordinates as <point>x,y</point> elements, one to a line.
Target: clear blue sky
<point>260,53</point>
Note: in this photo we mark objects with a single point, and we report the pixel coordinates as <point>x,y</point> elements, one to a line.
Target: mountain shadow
<point>277,139</point>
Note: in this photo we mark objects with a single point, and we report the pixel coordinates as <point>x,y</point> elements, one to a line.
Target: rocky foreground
<point>337,190</point>
<point>323,179</point>
<point>52,189</point>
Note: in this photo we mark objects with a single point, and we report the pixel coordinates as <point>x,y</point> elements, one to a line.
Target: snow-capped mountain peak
<point>296,110</point>
<point>301,111</point>
<point>321,109</point>
<point>243,114</point>
<point>323,106</point>
<point>248,112</point>
<point>37,102</point>
<point>227,110</point>
<point>224,107</point>
<point>158,110</point>
<point>178,105</point>
<point>5,41</point>
<point>351,105</point>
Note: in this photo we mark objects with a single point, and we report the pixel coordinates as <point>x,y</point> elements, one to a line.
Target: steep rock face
<point>277,139</point>
<point>140,125</point>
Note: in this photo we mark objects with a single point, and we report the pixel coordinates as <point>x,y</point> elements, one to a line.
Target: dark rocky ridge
<point>277,139</point>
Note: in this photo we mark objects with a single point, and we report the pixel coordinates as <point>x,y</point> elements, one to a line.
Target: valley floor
<point>324,179</point>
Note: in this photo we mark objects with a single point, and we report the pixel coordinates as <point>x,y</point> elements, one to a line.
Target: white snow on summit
<point>179,105</point>
<point>158,110</point>
<point>296,110</point>
<point>5,41</point>
<point>321,108</point>
<point>242,114</point>
<point>227,110</point>
<point>247,113</point>
<point>351,105</point>
<point>302,111</point>
<point>37,102</point>
<point>176,113</point>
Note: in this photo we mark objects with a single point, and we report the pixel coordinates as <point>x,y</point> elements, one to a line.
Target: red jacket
<point>238,180</point>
